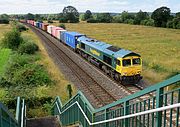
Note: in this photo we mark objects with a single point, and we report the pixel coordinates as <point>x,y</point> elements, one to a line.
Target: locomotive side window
<point>82,45</point>
<point>136,61</point>
<point>118,62</point>
<point>107,59</point>
<point>127,62</point>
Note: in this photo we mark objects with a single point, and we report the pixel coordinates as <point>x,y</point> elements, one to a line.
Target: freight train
<point>120,64</point>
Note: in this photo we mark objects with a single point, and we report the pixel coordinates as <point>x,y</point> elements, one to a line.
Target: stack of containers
<point>37,24</point>
<point>59,32</point>
<point>34,24</point>
<point>40,25</point>
<point>44,26</point>
<point>54,30</point>
<point>49,29</point>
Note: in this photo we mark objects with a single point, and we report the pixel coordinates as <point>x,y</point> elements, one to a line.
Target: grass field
<point>4,57</point>
<point>159,47</point>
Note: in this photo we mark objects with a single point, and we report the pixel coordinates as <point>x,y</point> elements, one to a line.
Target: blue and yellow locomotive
<point>122,65</point>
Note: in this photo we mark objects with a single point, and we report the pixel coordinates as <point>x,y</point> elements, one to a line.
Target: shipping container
<point>37,24</point>
<point>71,38</point>
<point>44,27</point>
<point>54,30</point>
<point>59,33</point>
<point>40,25</point>
<point>62,36</point>
<point>49,29</point>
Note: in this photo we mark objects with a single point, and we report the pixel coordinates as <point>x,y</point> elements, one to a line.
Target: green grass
<point>4,57</point>
<point>159,47</point>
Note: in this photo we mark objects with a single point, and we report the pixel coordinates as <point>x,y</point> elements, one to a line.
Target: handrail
<point>122,117</point>
<point>91,115</point>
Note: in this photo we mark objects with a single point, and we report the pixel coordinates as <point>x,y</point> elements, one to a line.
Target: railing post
<point>106,117</point>
<point>0,116</point>
<point>159,103</point>
<point>85,106</point>
<point>126,112</point>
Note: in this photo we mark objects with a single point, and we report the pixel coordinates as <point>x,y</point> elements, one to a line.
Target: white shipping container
<point>49,29</point>
<point>59,34</point>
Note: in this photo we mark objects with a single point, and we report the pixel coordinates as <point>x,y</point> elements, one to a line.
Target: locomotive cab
<point>129,68</point>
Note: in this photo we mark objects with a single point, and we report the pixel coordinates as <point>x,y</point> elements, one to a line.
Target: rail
<point>7,119</point>
<point>162,109</point>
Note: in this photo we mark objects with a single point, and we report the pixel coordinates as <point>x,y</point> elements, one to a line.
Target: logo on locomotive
<point>94,52</point>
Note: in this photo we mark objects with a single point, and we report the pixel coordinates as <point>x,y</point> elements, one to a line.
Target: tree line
<point>161,17</point>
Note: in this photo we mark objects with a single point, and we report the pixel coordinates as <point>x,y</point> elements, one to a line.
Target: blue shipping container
<point>71,38</point>
<point>63,36</point>
<point>40,25</point>
<point>37,24</point>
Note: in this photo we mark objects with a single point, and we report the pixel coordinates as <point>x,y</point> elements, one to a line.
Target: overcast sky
<point>56,6</point>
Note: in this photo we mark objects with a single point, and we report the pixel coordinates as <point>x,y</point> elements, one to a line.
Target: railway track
<point>100,96</point>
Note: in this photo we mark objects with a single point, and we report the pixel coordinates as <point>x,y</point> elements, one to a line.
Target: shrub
<point>4,21</point>
<point>50,21</point>
<point>169,24</point>
<point>12,39</point>
<point>62,26</point>
<point>31,75</point>
<point>92,20</point>
<point>28,48</point>
<point>178,26</point>
<point>21,27</point>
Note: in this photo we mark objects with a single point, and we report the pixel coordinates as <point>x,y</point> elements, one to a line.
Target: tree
<point>126,16</point>
<point>71,14</point>
<point>4,19</point>
<point>29,16</point>
<point>37,17</point>
<point>178,14</point>
<point>104,17</point>
<point>87,15</point>
<point>12,39</point>
<point>161,16</point>
<point>140,16</point>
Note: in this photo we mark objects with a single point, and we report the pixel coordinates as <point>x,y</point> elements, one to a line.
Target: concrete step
<point>43,122</point>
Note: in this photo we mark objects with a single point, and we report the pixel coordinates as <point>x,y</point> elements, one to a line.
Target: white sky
<point>56,6</point>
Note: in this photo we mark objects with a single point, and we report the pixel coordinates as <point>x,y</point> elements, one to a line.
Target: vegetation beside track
<point>32,76</point>
<point>159,47</point>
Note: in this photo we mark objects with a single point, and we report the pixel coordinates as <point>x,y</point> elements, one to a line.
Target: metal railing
<point>154,106</point>
<point>7,119</point>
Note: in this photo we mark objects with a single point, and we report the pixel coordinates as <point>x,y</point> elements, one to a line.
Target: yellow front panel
<point>129,70</point>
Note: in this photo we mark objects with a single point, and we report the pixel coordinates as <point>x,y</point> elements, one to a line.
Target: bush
<point>31,75</point>
<point>28,48</point>
<point>169,24</point>
<point>12,39</point>
<point>117,19</point>
<point>21,27</point>
<point>92,20</point>
<point>147,22</point>
<point>4,21</point>
<point>63,20</point>
<point>130,21</point>
<point>178,26</point>
<point>62,26</point>
<point>50,21</point>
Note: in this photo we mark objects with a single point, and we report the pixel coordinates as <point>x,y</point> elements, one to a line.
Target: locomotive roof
<point>107,48</point>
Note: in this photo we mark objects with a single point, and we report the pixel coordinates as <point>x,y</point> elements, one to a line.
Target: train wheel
<point>112,74</point>
<point>117,77</point>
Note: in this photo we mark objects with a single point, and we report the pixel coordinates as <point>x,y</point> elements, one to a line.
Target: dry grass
<point>3,29</point>
<point>59,89</point>
<point>158,46</point>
